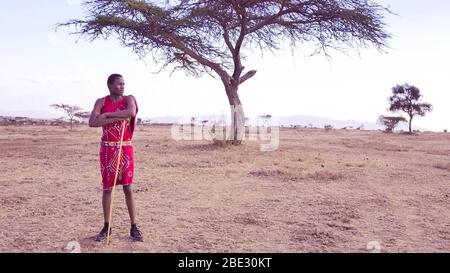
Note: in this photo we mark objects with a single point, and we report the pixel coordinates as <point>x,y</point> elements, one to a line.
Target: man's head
<point>116,84</point>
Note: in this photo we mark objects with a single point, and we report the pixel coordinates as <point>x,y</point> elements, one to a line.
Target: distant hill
<point>287,121</point>
<point>320,122</point>
<point>36,114</point>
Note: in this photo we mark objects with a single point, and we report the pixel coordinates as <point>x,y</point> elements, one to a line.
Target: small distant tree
<point>390,122</point>
<point>406,98</point>
<point>193,120</point>
<point>83,115</point>
<point>266,119</point>
<point>203,124</point>
<point>72,112</point>
<point>57,121</point>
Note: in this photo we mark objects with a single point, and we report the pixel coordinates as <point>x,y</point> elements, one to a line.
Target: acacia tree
<point>72,111</point>
<point>209,36</point>
<point>265,119</point>
<point>82,115</point>
<point>406,98</point>
<point>390,122</point>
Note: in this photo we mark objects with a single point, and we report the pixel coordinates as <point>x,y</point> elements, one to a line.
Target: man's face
<point>117,87</point>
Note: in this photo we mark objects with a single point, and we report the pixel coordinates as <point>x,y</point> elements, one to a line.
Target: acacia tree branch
<point>184,33</point>
<point>247,76</point>
<point>226,37</point>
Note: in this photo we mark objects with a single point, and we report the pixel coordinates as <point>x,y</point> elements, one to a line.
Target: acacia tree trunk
<point>237,129</point>
<point>410,121</point>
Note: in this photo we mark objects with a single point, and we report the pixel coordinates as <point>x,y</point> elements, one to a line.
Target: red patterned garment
<point>109,149</point>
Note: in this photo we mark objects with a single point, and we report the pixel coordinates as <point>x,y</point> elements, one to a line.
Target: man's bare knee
<point>127,190</point>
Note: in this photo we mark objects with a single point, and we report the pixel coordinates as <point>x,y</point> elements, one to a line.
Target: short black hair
<point>113,77</point>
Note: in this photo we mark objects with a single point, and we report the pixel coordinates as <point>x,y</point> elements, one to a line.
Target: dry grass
<point>320,191</point>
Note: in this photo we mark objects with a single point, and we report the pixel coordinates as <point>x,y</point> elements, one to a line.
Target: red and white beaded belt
<point>116,143</point>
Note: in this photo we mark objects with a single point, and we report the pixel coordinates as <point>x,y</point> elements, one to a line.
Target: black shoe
<point>136,234</point>
<point>101,236</point>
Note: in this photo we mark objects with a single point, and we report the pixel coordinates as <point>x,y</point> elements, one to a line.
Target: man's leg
<point>131,205</point>
<point>135,233</point>
<point>106,203</point>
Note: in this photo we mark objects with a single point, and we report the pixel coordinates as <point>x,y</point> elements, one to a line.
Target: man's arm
<point>97,119</point>
<point>130,112</point>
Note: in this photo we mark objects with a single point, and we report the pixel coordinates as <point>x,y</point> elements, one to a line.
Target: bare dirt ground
<point>319,192</point>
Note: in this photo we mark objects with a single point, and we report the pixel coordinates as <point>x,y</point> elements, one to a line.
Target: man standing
<point>112,113</point>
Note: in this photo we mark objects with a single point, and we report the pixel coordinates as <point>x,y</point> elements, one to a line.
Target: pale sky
<point>41,67</point>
